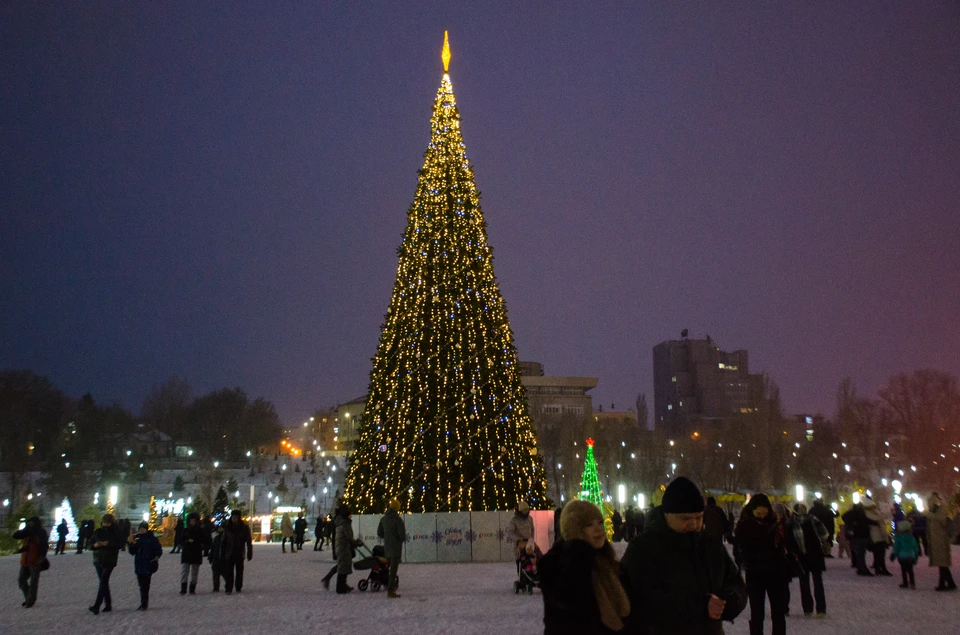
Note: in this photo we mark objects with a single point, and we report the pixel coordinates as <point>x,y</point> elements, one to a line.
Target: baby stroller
<point>379,567</point>
<point>527,576</point>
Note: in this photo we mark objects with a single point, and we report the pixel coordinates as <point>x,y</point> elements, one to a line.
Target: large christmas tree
<point>445,426</point>
<point>590,481</point>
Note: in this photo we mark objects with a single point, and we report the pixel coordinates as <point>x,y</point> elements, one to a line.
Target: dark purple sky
<point>217,190</point>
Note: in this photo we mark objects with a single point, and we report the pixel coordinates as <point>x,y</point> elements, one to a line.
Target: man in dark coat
<point>300,529</point>
<point>33,552</point>
<point>216,564</point>
<point>62,531</point>
<point>236,542</point>
<point>319,532</point>
<point>617,522</point>
<point>827,518</point>
<point>83,535</point>
<point>857,526</point>
<point>680,580</point>
<point>107,542</point>
<point>177,532</point>
<point>394,534</point>
<point>194,542</point>
<point>715,521</point>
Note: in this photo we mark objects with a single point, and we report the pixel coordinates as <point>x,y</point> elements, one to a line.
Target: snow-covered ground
<point>282,594</point>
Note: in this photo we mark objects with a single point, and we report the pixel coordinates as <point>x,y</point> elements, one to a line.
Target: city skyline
<point>219,196</point>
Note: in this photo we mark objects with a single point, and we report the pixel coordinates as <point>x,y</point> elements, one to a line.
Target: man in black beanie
<point>679,579</point>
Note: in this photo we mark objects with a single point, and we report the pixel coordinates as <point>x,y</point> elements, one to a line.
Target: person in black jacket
<point>62,531</point>
<point>760,538</point>
<point>84,534</point>
<point>806,538</point>
<point>582,592</point>
<point>194,543</point>
<point>715,521</point>
<point>858,528</point>
<point>33,552</point>
<point>319,532</point>
<point>146,552</point>
<point>680,580</point>
<point>215,558</point>
<point>106,546</point>
<point>236,540</point>
<point>300,529</point>
<point>827,517</point>
<point>177,532</point>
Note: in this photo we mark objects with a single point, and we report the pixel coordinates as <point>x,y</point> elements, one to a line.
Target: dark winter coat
<point>300,527</point>
<point>762,546</point>
<point>194,543</point>
<point>394,534</point>
<point>145,548</point>
<point>320,530</point>
<point>715,522</point>
<point>215,549</point>
<point>35,543</point>
<point>826,516</point>
<point>566,580</point>
<point>236,539</point>
<point>106,556</point>
<point>814,534</point>
<point>345,544</point>
<point>670,577</point>
<point>856,523</point>
<point>63,530</point>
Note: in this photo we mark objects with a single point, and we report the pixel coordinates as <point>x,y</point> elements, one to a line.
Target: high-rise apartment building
<point>694,381</point>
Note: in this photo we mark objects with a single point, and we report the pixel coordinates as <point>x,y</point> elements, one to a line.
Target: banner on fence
<point>421,537</point>
<point>453,545</point>
<point>485,536</point>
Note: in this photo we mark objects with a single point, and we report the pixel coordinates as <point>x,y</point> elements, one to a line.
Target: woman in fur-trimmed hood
<point>579,577</point>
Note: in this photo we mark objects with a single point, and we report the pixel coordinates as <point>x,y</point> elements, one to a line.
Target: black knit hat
<point>682,497</point>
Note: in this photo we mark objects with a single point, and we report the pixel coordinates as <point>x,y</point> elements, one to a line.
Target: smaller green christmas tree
<point>220,503</point>
<point>590,482</point>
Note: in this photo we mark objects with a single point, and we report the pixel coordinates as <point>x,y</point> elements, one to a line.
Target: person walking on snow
<point>286,533</point>
<point>344,548</point>
<point>938,542</point>
<point>394,534</point>
<point>579,577</point>
<point>760,538</point>
<point>300,529</point>
<point>216,563</point>
<point>236,541</point>
<point>194,543</point>
<point>33,553</point>
<point>62,531</point>
<point>827,518</point>
<point>808,536</point>
<point>906,551</point>
<point>879,525</point>
<point>106,546</point>
<point>146,552</point>
<point>319,532</point>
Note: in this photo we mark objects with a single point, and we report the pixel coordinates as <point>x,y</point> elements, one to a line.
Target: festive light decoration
<point>153,521</point>
<point>65,511</point>
<point>446,426</point>
<point>590,481</point>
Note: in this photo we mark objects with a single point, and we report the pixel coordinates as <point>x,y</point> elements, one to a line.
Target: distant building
<point>346,431</point>
<point>694,381</point>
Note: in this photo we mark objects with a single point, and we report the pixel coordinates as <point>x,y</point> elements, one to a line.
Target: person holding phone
<point>146,552</point>
<point>107,542</point>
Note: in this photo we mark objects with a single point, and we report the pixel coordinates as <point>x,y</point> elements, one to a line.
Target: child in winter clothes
<point>907,551</point>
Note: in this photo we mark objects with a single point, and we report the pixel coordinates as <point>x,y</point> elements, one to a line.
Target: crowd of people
<point>676,575</point>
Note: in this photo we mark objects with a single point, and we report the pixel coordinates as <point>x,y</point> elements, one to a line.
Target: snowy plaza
<point>282,594</point>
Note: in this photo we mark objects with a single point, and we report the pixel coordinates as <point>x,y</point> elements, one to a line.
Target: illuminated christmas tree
<point>65,511</point>
<point>590,482</point>
<point>445,426</point>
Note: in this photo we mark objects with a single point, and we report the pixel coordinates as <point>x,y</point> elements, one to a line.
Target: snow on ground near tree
<point>282,593</point>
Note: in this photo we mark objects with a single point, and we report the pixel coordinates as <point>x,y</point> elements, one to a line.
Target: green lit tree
<point>445,426</point>
<point>590,482</point>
